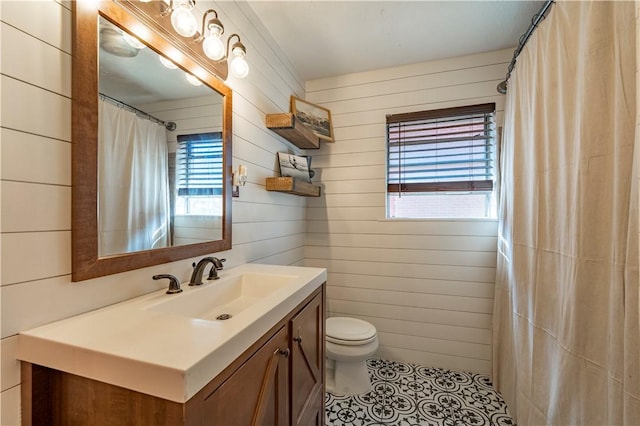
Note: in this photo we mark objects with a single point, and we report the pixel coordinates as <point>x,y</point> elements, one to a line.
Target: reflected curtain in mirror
<point>133,203</point>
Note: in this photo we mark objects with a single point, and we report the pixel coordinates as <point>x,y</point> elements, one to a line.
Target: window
<point>441,163</point>
<point>199,174</point>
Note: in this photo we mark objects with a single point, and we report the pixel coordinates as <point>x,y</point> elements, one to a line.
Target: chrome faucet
<point>198,270</point>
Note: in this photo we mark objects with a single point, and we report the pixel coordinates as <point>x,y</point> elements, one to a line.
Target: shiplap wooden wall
<point>427,285</point>
<point>35,197</point>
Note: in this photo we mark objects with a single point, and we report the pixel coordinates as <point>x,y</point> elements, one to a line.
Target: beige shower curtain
<point>566,308</point>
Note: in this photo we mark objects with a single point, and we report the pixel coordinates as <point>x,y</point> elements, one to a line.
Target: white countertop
<point>166,355</point>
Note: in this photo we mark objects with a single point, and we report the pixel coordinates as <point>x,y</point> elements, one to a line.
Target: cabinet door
<point>307,364</point>
<point>257,393</point>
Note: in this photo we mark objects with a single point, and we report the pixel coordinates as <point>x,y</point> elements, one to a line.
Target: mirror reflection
<point>160,150</point>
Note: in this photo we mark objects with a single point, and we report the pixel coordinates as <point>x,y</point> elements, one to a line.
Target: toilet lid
<point>349,331</point>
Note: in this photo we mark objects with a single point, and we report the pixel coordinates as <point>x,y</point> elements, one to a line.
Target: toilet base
<point>347,377</point>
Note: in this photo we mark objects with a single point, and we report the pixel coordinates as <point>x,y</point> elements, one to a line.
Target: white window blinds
<point>199,164</point>
<point>445,150</point>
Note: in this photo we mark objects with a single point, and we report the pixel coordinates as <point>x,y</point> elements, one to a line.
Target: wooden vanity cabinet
<point>278,381</point>
<point>291,388</point>
<point>307,364</point>
<point>257,392</point>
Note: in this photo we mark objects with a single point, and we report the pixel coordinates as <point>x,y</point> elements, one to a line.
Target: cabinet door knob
<point>298,339</point>
<point>285,352</point>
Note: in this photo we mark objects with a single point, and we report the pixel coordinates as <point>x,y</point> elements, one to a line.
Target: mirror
<point>138,200</point>
<point>160,133</point>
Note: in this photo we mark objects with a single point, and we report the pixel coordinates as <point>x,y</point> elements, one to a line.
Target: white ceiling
<point>326,38</point>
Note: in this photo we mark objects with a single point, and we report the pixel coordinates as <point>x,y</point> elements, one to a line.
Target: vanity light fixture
<point>213,46</point>
<point>210,35</point>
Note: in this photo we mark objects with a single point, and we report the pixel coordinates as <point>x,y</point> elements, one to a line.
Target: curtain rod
<point>169,125</point>
<point>537,18</point>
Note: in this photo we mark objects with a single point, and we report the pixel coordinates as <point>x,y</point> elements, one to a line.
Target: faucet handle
<point>217,263</point>
<point>174,284</point>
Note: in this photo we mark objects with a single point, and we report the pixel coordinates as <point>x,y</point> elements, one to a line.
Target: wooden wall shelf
<point>294,186</point>
<point>293,130</point>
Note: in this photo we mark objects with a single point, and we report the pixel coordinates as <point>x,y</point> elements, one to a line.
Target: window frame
<point>395,185</point>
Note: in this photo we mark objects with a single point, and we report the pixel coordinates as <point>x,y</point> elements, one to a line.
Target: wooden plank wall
<point>427,285</point>
<point>35,139</point>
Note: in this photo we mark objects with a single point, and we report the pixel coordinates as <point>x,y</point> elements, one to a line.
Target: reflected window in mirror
<point>198,187</point>
<point>199,174</point>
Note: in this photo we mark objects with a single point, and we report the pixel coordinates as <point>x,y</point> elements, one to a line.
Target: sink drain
<point>223,317</point>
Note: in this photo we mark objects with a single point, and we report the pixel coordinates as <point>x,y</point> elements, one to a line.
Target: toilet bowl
<point>349,342</point>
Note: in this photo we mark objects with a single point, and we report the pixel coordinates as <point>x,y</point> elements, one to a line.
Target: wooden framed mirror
<point>110,229</point>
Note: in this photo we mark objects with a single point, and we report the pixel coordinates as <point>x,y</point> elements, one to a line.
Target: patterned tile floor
<point>407,395</point>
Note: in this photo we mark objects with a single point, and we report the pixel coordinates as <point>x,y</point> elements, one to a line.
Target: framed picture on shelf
<point>315,117</point>
<point>296,166</point>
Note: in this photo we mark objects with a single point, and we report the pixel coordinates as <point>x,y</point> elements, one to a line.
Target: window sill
<point>439,219</point>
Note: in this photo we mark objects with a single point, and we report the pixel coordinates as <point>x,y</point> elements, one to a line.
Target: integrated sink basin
<point>171,345</point>
<point>223,299</point>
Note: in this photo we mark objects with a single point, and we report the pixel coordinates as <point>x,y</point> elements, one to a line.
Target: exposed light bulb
<point>239,66</point>
<point>133,41</point>
<point>213,47</point>
<point>167,63</point>
<point>193,80</point>
<point>183,20</point>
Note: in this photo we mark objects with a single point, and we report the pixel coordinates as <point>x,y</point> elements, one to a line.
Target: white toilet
<point>350,341</point>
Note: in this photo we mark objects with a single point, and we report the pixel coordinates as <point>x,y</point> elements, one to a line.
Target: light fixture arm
<point>207,24</point>
<point>167,11</point>
<point>236,44</point>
